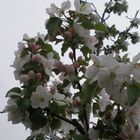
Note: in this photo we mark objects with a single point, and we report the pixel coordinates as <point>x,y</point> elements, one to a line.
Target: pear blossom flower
<point>82,32</point>
<point>18,63</point>
<point>102,65</point>
<point>59,98</point>
<point>13,112</point>
<point>104,100</point>
<point>85,8</point>
<point>90,42</point>
<point>41,97</point>
<point>58,11</point>
<point>48,63</point>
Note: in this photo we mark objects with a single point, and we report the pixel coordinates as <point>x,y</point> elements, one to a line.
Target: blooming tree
<point>94,97</point>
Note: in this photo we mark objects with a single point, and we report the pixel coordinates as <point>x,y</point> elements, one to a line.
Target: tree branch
<point>73,122</point>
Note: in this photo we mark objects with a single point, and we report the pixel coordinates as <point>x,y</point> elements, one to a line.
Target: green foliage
<point>120,118</point>
<point>89,91</point>
<point>17,90</point>
<point>53,25</point>
<point>100,27</point>
<point>133,92</point>
<point>37,118</point>
<point>23,104</point>
<point>80,137</point>
<point>37,137</point>
<point>86,51</point>
<point>58,109</point>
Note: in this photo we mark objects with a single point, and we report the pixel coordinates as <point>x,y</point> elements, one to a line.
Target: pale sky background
<point>28,16</point>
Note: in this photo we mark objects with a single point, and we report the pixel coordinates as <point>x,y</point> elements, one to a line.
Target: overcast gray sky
<point>28,16</point>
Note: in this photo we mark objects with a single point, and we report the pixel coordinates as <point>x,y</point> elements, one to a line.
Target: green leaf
<point>37,118</point>
<point>64,48</point>
<point>89,91</point>
<point>120,118</point>
<point>53,24</point>
<point>100,27</point>
<point>24,52</point>
<point>54,107</point>
<point>30,138</point>
<point>40,137</point>
<point>80,137</point>
<point>86,51</point>
<point>55,123</point>
<point>15,89</point>
<point>95,108</point>
<point>23,104</point>
<point>40,42</point>
<point>113,31</point>
<point>133,92</point>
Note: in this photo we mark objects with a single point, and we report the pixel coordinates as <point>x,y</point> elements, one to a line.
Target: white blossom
<point>41,97</point>
<point>13,112</point>
<point>90,42</point>
<point>82,32</point>
<point>54,10</point>
<point>104,100</point>
<point>48,63</point>
<point>84,8</point>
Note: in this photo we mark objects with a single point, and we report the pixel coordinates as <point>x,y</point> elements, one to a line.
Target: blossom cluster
<point>94,97</point>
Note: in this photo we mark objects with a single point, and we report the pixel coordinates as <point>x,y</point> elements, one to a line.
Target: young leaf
<point>15,90</point>
<point>53,24</point>
<point>80,137</point>
<point>23,104</point>
<point>133,92</point>
<point>100,27</point>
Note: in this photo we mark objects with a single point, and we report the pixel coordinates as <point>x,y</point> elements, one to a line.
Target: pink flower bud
<point>38,76</point>
<point>31,74</point>
<point>35,47</point>
<point>76,102</point>
<point>68,35</point>
<point>53,90</point>
<point>69,69</point>
<point>59,65</point>
<point>76,65</point>
<point>80,58</point>
<point>72,30</point>
<point>36,58</point>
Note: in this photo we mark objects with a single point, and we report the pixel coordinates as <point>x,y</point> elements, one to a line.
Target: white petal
<point>50,13</point>
<point>81,30</point>
<point>104,77</point>
<point>92,73</point>
<point>54,8</point>
<point>136,74</point>
<point>136,58</point>
<point>65,5</point>
<point>86,9</point>
<point>77,4</point>
<point>58,96</point>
